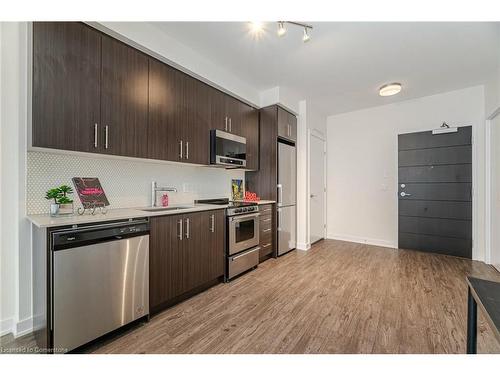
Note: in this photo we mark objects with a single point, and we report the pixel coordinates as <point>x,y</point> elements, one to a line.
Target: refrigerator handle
<point>280,194</point>
<point>279,220</point>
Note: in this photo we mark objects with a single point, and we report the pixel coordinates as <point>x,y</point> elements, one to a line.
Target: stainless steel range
<point>242,235</point>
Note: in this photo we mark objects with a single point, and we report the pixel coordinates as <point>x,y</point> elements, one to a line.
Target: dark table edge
<point>492,325</point>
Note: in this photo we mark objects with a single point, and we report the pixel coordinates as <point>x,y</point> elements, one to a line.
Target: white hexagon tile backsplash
<point>127,183</point>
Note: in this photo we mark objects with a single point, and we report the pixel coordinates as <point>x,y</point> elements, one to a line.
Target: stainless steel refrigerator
<point>287,195</point>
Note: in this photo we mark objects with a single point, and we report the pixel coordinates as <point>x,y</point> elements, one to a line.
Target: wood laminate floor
<point>339,297</point>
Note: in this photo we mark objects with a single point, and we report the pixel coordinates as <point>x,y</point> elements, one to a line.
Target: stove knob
<point>237,210</point>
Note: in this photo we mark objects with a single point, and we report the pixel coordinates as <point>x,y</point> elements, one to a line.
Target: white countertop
<point>45,220</point>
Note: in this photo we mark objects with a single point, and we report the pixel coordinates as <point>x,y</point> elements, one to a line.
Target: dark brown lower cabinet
<point>267,234</point>
<point>186,253</point>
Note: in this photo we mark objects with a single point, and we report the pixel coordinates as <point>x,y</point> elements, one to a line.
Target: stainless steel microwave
<point>227,149</point>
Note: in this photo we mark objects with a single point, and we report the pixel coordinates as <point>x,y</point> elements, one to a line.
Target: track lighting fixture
<point>281,28</point>
<point>306,37</point>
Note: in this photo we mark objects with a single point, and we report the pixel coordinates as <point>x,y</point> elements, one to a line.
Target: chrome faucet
<point>155,188</point>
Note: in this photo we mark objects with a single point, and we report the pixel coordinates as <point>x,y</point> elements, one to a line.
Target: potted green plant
<point>54,207</point>
<point>63,204</point>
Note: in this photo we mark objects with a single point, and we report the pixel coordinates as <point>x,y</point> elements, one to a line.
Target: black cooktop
<point>225,201</point>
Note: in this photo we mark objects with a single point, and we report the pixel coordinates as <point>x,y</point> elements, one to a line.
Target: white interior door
<point>317,188</point>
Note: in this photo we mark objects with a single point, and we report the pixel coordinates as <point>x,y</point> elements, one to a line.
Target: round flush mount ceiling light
<point>390,89</point>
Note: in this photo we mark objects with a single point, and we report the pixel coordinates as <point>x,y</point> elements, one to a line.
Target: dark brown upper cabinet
<point>124,99</point>
<point>226,112</point>
<point>166,127</point>
<point>93,93</point>
<point>250,130</point>
<point>287,125</point>
<point>179,116</point>
<point>66,86</point>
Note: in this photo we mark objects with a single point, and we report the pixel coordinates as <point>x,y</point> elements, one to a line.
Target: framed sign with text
<point>90,191</point>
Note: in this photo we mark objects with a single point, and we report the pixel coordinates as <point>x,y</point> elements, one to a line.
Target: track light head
<point>306,37</point>
<point>281,29</point>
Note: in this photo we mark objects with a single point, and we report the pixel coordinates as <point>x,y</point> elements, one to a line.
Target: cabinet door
<point>213,225</point>
<point>283,125</point>
<point>292,121</point>
<point>204,248</point>
<point>166,259</point>
<point>233,111</point>
<point>124,99</point>
<point>218,115</point>
<point>66,85</point>
<point>166,126</point>
<point>250,130</point>
<point>197,110</point>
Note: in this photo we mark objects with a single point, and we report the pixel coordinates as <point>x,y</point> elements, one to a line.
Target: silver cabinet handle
<point>179,233</point>
<point>96,135</point>
<point>266,230</point>
<point>180,152</point>
<point>212,224</point>
<point>225,123</point>
<point>230,125</point>
<point>106,136</point>
<point>288,129</point>
<point>187,228</point>
<point>280,193</point>
<point>266,220</point>
<point>403,194</point>
<point>187,150</point>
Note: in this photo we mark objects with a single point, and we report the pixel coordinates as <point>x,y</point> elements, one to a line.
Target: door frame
<point>474,187</point>
<point>489,194</point>
<point>320,136</point>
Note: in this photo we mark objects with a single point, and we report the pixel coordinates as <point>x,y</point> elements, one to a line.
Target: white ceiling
<point>343,65</point>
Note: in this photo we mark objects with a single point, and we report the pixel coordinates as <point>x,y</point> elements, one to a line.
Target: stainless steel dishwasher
<point>100,280</point>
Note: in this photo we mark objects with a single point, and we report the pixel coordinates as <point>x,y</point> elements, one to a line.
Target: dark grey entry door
<point>435,192</point>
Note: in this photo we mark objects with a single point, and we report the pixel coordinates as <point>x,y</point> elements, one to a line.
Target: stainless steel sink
<point>158,209</point>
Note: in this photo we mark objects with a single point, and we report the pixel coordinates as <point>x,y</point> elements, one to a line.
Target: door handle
<point>187,229</point>
<point>96,135</point>
<point>280,193</point>
<point>180,148</point>
<point>225,123</point>
<point>403,194</point>
<point>106,136</point>
<point>179,232</point>
<point>187,150</point>
<point>230,125</point>
<point>313,195</point>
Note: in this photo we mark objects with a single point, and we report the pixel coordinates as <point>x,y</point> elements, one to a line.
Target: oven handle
<point>245,253</point>
<point>241,217</point>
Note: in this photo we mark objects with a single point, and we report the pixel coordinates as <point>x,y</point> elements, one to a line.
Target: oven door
<point>243,232</point>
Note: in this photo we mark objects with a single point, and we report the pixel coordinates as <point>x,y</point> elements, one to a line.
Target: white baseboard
<point>6,326</point>
<point>303,246</point>
<point>367,241</point>
<point>23,327</point>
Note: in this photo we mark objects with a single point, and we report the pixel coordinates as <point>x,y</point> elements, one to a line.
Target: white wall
<point>362,163</point>
<point>15,263</point>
